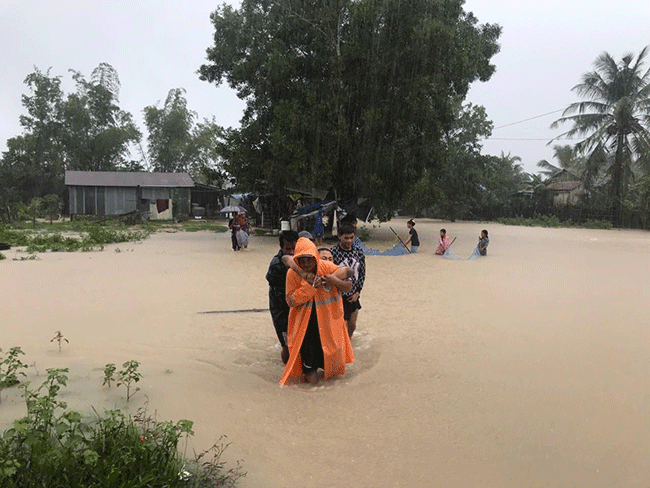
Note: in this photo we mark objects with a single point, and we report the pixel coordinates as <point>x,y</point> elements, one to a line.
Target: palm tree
<point>535,182</point>
<point>615,118</point>
<point>567,157</point>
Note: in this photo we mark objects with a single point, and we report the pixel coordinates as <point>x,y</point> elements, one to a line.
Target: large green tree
<point>98,134</point>
<point>170,133</point>
<point>34,161</point>
<point>614,118</point>
<point>350,94</point>
<point>177,142</point>
<point>455,187</point>
<point>84,130</point>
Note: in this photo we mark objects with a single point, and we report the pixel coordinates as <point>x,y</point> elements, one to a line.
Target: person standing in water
<point>347,254</point>
<point>234,226</point>
<point>413,237</point>
<point>319,228</point>
<point>277,277</point>
<point>443,242</point>
<point>317,336</point>
<point>483,242</point>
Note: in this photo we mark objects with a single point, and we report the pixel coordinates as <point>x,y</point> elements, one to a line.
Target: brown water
<point>525,368</point>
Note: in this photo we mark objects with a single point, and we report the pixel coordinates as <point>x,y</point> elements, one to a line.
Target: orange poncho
<point>337,350</point>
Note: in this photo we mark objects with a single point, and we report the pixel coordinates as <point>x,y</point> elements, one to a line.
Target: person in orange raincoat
<point>317,335</point>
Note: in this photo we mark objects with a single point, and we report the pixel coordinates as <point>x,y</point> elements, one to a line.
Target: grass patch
<point>197,225</point>
<point>56,447</point>
<point>2,256</point>
<point>553,221</point>
<point>90,237</point>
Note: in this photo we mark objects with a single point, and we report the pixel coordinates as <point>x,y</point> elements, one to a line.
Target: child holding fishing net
<point>443,242</point>
<point>413,239</point>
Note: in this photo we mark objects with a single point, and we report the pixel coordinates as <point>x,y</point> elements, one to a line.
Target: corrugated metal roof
<point>128,179</point>
<point>564,185</point>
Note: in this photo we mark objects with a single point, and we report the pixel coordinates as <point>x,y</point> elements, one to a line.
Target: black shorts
<point>350,308</point>
<point>311,349</point>
<point>280,317</point>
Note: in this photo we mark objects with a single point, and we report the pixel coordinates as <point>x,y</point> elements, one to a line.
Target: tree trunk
<point>617,180</point>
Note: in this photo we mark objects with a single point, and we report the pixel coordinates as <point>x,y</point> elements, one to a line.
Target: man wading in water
<point>347,253</point>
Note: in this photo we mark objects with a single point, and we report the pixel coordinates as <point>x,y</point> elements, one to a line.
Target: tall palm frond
<point>548,169</point>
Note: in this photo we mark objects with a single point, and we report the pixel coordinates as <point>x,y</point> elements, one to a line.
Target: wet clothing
<point>311,350</point>
<point>239,225</point>
<point>443,244</point>
<point>319,229</point>
<point>415,240</point>
<point>303,299</point>
<point>349,308</point>
<point>354,259</point>
<point>242,238</point>
<point>277,277</point>
<point>233,234</point>
<point>482,246</point>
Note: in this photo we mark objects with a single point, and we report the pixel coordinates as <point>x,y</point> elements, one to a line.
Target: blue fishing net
<point>396,250</point>
<point>475,254</point>
<point>450,254</point>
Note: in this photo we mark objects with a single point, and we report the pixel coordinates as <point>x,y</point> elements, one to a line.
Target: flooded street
<point>525,368</point>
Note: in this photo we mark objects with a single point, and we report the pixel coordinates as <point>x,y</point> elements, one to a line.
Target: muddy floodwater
<point>526,368</point>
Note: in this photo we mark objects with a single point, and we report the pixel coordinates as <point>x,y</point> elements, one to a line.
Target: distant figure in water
<point>443,242</point>
<point>317,336</point>
<point>413,237</point>
<point>319,229</point>
<point>483,242</point>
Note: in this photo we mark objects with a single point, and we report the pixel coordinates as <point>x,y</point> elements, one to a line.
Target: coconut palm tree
<point>535,182</point>
<point>615,118</point>
<point>567,157</point>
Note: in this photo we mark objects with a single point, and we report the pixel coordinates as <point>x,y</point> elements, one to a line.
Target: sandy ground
<point>526,368</point>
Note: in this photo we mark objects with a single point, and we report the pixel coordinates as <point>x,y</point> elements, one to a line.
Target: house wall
<point>155,193</point>
<point>101,200</point>
<point>165,215</point>
<point>567,197</point>
<point>108,200</point>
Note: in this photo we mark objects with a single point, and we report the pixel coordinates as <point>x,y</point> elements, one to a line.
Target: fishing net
<point>450,254</point>
<point>396,250</point>
<point>475,254</point>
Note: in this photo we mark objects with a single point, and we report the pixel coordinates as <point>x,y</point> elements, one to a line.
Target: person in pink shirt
<point>443,242</point>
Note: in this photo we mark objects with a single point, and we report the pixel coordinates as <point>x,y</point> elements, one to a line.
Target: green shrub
<point>2,256</point>
<point>93,236</point>
<point>197,225</point>
<point>57,448</point>
<point>363,234</point>
<point>10,368</point>
<point>13,237</point>
<point>597,224</point>
<point>554,221</point>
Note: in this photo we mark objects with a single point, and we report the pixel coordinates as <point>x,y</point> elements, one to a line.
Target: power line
<point>531,118</point>
<point>538,139</point>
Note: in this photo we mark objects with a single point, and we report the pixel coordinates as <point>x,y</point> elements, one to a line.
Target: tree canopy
<point>176,142</point>
<point>350,94</point>
<point>85,130</point>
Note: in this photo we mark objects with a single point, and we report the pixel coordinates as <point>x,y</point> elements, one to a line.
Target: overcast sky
<point>158,45</point>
